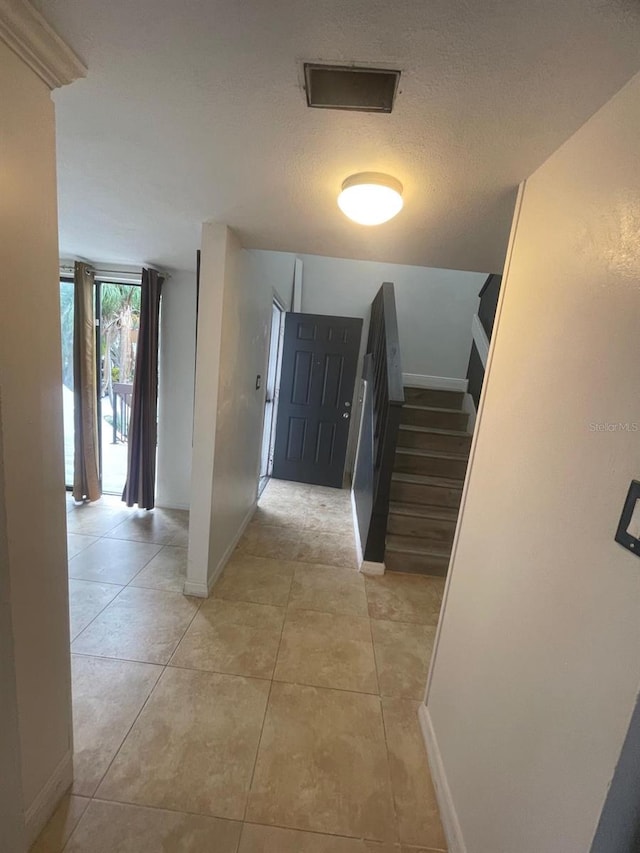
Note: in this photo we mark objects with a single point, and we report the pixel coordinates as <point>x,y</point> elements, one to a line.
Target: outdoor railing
<point>121,410</point>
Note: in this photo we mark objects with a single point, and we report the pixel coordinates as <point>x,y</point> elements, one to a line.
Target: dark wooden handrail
<point>381,420</point>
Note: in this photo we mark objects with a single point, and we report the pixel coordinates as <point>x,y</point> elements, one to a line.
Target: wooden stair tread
<point>437,513</point>
<point>411,545</point>
<point>437,454</point>
<point>433,409</point>
<point>426,480</point>
<point>437,430</point>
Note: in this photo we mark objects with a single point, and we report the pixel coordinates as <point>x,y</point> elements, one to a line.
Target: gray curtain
<point>86,479</point>
<point>143,426</point>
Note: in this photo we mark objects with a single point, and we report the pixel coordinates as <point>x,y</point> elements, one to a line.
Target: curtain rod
<point>102,271</point>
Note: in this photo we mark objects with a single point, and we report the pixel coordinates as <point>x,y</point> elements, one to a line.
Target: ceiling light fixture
<point>370,198</point>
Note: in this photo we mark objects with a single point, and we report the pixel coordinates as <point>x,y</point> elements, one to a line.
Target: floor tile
<point>327,650</point>
<point>119,828</point>
<point>405,598</point>
<point>193,747</point>
<point>322,764</point>
<point>94,520</point>
<point>269,541</point>
<point>107,697</point>
<point>413,792</point>
<point>162,526</point>
<point>287,489</point>
<point>77,542</point>
<point>285,514</point>
<point>111,561</point>
<point>330,519</point>
<point>140,624</point>
<point>335,590</point>
<point>234,637</point>
<point>167,570</point>
<point>329,548</point>
<point>60,826</point>
<point>403,653</point>
<point>271,839</point>
<point>257,579</point>
<point>86,600</point>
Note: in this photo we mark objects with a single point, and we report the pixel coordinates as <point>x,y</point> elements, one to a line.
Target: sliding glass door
<point>117,321</point>
<point>66,325</point>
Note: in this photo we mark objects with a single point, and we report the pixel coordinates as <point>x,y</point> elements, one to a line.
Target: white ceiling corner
<point>192,111</point>
<point>29,35</point>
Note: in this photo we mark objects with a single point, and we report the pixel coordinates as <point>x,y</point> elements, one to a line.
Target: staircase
<point>431,458</point>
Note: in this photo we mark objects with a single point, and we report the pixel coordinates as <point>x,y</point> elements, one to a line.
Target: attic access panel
<point>338,87</point>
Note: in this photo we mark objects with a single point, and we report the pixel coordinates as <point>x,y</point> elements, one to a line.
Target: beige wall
<point>30,379</point>
<point>537,667</point>
<point>12,835</point>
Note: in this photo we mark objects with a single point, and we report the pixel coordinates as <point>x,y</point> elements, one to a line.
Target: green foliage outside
<point>120,318</point>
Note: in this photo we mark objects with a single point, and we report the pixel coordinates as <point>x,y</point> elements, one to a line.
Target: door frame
<point>272,379</point>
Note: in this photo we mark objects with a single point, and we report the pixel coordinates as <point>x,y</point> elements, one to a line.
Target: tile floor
<point>278,716</point>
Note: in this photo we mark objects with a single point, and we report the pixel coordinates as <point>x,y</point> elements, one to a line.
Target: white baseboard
<point>202,590</point>
<point>232,546</point>
<point>46,802</point>
<point>469,407</point>
<point>437,383</point>
<point>172,505</point>
<point>448,815</point>
<point>480,339</point>
<point>198,590</point>
<point>356,528</point>
<point>369,568</point>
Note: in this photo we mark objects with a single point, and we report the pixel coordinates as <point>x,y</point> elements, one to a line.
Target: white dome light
<point>370,198</point>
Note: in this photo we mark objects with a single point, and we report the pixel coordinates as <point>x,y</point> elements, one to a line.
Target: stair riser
<point>431,529</point>
<point>417,493</point>
<point>437,399</point>
<point>416,564</point>
<point>431,466</point>
<point>434,418</point>
<point>434,441</point>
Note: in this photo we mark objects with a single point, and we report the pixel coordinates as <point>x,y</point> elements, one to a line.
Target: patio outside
<point>119,320</point>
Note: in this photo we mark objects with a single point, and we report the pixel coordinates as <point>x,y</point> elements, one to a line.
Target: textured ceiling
<point>193,111</point>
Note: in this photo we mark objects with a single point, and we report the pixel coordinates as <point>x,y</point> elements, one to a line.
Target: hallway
<point>278,716</point>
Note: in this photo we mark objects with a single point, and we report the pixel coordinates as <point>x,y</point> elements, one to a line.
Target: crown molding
<point>28,34</point>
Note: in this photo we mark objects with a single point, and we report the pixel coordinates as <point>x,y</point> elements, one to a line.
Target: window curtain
<point>86,479</point>
<point>143,427</point>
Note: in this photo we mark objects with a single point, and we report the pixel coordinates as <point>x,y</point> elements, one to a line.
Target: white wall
<point>176,388</point>
<point>30,380</point>
<point>435,307</point>
<point>233,336</point>
<point>537,666</point>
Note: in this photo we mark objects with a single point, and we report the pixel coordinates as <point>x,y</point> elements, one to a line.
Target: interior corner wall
<point>32,443</point>
<point>212,274</point>
<point>536,670</point>
<point>176,390</point>
<point>243,352</point>
<point>236,294</point>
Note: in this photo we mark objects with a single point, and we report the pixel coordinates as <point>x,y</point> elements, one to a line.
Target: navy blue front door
<point>319,362</point>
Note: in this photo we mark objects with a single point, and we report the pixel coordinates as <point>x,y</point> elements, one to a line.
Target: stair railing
<point>381,413</point>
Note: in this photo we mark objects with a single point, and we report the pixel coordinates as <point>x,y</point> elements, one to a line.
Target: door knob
<point>345,415</point>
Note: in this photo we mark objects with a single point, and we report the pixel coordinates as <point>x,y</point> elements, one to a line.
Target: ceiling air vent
<point>337,87</point>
